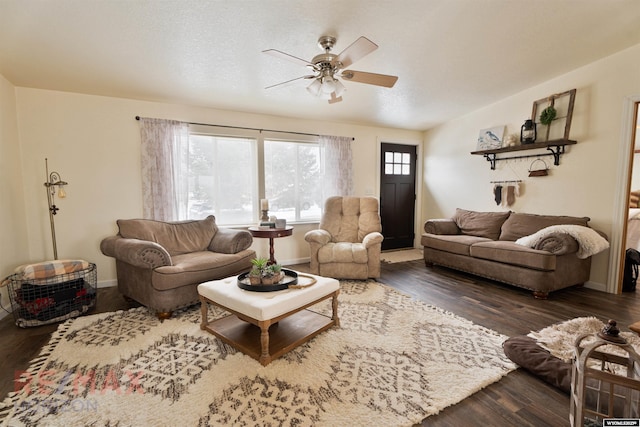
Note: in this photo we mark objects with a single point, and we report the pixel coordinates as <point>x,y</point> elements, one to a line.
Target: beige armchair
<point>160,264</point>
<point>348,242</point>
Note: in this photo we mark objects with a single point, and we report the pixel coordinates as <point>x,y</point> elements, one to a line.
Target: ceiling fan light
<point>328,85</point>
<point>339,88</point>
<point>315,87</point>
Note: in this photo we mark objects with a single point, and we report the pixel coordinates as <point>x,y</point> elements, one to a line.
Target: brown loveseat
<point>484,244</point>
<point>160,264</point>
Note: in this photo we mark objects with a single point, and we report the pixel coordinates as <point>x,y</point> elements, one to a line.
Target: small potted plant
<point>258,266</point>
<point>272,274</point>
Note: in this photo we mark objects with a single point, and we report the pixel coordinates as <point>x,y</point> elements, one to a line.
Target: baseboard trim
<point>295,261</point>
<point>596,286</point>
<point>107,283</point>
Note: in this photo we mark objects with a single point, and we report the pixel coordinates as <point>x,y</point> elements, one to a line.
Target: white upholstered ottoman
<point>266,325</point>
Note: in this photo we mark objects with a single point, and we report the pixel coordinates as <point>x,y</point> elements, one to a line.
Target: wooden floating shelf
<point>556,147</point>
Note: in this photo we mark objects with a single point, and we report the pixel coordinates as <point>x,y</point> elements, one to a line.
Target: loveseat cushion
<point>521,224</point>
<point>457,244</point>
<point>199,267</point>
<point>514,254</point>
<point>179,237</point>
<point>480,224</point>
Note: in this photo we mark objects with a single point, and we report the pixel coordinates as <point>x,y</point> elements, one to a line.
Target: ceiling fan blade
<point>369,78</point>
<point>358,49</point>
<point>310,76</point>
<point>282,55</point>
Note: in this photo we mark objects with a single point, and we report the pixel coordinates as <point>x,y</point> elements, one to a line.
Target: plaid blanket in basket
<point>46,269</point>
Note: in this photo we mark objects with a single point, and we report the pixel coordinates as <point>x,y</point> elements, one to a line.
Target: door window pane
<point>396,163</point>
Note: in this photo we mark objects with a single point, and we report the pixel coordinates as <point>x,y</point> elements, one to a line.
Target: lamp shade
<point>328,85</point>
<point>339,88</point>
<point>315,87</point>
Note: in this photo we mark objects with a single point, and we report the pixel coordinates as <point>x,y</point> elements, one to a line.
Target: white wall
<point>93,142</point>
<point>13,226</point>
<point>584,184</point>
<point>635,174</point>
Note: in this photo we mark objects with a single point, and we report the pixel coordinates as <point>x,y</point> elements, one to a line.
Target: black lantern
<point>528,132</point>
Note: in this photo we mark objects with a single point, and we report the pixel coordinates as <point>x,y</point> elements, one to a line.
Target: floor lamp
<point>54,182</point>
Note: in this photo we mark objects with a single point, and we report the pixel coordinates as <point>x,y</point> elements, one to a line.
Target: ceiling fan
<point>327,67</point>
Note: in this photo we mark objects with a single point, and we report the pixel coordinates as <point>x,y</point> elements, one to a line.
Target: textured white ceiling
<point>451,56</point>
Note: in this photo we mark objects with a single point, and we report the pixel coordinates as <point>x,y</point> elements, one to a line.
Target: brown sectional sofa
<point>483,244</point>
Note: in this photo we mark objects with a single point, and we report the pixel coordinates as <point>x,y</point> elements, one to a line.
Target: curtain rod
<point>247,128</point>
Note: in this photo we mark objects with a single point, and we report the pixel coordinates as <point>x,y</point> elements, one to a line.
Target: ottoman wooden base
<point>268,339</point>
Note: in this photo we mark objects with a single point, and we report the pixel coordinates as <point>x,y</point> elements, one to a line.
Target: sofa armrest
<point>441,226</point>
<point>230,241</point>
<point>372,239</point>
<point>139,253</point>
<point>558,244</point>
<point>319,236</point>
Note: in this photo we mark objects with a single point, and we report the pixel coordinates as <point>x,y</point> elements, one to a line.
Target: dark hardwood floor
<point>518,399</point>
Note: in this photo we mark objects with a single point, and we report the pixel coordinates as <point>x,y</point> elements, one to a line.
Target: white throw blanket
<point>589,241</point>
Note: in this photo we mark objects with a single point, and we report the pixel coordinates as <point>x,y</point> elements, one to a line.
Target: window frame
<point>259,159</point>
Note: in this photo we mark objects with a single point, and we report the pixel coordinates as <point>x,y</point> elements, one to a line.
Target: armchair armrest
<point>441,226</point>
<point>139,253</point>
<point>372,239</point>
<point>558,244</point>
<point>230,241</point>
<point>319,236</point>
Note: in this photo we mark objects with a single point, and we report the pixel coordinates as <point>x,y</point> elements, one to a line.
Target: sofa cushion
<point>480,224</point>
<point>457,244</point>
<point>514,254</point>
<point>177,238</point>
<point>520,224</point>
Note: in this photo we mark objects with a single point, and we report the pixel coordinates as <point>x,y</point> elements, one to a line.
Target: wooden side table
<point>271,233</point>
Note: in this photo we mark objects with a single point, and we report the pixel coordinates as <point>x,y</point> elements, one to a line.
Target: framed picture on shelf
<point>491,138</point>
<point>552,115</point>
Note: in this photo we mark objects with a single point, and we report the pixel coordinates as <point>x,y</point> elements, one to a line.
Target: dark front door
<point>397,195</point>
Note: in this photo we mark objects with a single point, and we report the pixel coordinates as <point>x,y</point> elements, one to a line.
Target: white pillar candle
<point>264,204</point>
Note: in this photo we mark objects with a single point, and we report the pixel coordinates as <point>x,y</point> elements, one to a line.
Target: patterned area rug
<point>393,361</point>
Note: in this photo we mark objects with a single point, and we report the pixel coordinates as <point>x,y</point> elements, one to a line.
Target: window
<point>228,175</point>
<point>222,178</point>
<point>292,179</point>
<point>396,163</point>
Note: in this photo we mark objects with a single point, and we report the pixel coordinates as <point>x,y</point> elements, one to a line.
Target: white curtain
<point>335,152</point>
<point>164,147</point>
